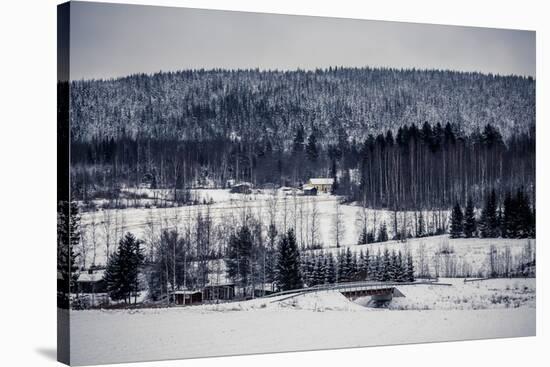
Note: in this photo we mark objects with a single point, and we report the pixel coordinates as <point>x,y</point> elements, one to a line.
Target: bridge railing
<point>349,287</point>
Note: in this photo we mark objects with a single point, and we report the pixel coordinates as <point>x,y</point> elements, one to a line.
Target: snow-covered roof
<point>185,292</point>
<point>321,181</point>
<point>96,276</point>
<point>243,183</point>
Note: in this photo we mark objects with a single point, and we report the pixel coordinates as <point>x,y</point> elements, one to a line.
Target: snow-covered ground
<point>312,321</point>
<point>477,295</point>
<point>228,208</point>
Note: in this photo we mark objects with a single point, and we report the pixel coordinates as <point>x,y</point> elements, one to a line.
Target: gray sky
<point>111,40</point>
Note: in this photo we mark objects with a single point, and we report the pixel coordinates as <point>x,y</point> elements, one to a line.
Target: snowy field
<point>228,208</point>
<point>312,321</point>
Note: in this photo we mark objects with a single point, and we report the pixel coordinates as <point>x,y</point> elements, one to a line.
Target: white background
<point>28,181</point>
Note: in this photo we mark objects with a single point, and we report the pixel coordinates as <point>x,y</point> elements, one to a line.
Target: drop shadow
<point>49,353</point>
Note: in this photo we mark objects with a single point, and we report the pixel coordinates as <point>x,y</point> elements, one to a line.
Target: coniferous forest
<point>397,139</point>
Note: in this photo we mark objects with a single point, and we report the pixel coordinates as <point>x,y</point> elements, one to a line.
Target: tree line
<point>396,138</point>
<point>347,266</point>
<point>511,217</point>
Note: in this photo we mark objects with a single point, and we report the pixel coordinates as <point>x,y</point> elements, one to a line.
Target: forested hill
<point>270,106</point>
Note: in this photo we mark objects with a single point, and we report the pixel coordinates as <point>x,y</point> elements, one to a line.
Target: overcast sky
<point>111,40</point>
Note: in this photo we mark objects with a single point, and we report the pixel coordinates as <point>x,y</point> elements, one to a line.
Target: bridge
<point>379,291</point>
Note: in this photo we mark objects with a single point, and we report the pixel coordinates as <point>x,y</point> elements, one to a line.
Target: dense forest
<point>391,138</point>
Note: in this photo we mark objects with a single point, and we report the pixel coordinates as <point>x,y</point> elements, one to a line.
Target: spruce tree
<point>489,222</point>
<point>523,215</point>
<point>298,143</point>
<point>361,264</point>
<point>508,225</point>
<point>363,237</point>
<point>420,226</point>
<point>393,270</point>
<point>330,270</point>
<point>311,148</point>
<point>239,253</point>
<point>68,238</point>
<point>382,233</point>
<point>319,271</point>
<point>122,273</point>
<point>386,266</point>
<point>457,222</point>
<point>288,264</point>
<point>470,225</point>
<point>378,267</point>
<point>401,268</point>
<point>409,268</point>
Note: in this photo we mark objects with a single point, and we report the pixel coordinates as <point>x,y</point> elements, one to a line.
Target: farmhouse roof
<point>321,181</point>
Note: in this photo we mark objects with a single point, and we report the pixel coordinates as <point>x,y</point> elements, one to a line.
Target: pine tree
<point>122,273</point>
<point>382,233</point>
<point>372,270</point>
<point>361,263</point>
<point>363,237</point>
<point>239,253</point>
<point>298,143</point>
<point>409,268</point>
<point>393,269</point>
<point>68,238</point>
<point>319,271</point>
<point>378,267</point>
<point>457,222</point>
<point>386,266</point>
<point>288,264</point>
<point>470,225</point>
<point>508,224</point>
<point>489,222</point>
<point>524,215</point>
<point>330,270</point>
<point>347,267</point>
<point>311,148</point>
<point>401,268</point>
<point>420,226</point>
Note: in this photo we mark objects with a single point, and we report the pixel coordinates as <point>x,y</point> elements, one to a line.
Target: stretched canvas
<point>237,183</point>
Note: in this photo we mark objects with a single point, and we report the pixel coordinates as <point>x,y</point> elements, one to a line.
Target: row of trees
<point>511,218</point>
<point>323,268</point>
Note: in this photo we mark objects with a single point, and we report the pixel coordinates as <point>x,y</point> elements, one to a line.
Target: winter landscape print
<point>237,183</point>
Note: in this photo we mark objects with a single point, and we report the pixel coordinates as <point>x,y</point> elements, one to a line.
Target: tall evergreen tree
<point>122,273</point>
<point>457,221</point>
<point>509,221</point>
<point>68,238</point>
<point>470,225</point>
<point>524,215</point>
<point>238,260</point>
<point>288,263</point>
<point>420,225</point>
<point>330,270</point>
<point>489,222</point>
<point>409,268</point>
<point>298,143</point>
<point>319,270</point>
<point>311,148</point>
<point>382,233</point>
<point>386,266</point>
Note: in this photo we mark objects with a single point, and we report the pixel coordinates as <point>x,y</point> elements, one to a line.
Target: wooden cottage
<point>322,185</point>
